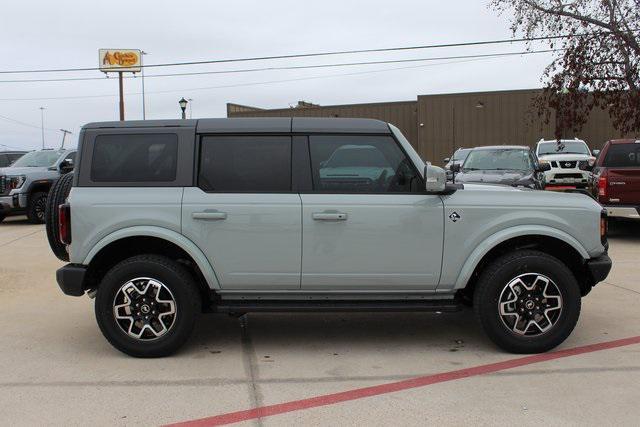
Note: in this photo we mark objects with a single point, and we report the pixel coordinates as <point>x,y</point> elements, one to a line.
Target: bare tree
<point>597,66</point>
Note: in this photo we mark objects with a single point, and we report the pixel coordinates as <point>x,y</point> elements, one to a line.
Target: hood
<point>22,171</point>
<point>561,157</point>
<point>505,177</point>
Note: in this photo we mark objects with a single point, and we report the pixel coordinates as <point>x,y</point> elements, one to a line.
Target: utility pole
<point>64,135</point>
<point>42,124</point>
<point>144,106</point>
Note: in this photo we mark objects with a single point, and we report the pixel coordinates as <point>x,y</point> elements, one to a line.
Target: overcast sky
<point>68,33</point>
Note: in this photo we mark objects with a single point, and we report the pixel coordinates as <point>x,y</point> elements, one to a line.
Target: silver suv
<point>167,219</point>
<point>25,184</point>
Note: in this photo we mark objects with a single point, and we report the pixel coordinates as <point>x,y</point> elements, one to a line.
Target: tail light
<point>64,223</point>
<point>602,186</point>
<point>604,227</point>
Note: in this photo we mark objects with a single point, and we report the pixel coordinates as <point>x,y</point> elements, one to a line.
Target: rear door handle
<point>209,216</point>
<point>329,216</point>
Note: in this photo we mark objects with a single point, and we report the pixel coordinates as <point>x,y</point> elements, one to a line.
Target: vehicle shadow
<point>339,332</point>
<point>626,230</point>
<point>16,220</point>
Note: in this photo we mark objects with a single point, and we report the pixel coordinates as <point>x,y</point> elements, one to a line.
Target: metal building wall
<point>437,124</point>
<point>450,121</point>
<point>401,114</point>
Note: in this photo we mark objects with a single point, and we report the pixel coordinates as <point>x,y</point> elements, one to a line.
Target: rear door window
<point>245,164</point>
<point>134,158</point>
<point>623,156</point>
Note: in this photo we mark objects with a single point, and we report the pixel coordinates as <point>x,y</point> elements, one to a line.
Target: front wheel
<point>527,301</point>
<point>36,208</point>
<point>146,306</point>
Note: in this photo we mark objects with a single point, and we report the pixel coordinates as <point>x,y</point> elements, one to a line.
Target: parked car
<point>564,157</point>
<point>513,165</point>
<point>8,157</point>
<point>25,184</point>
<point>457,159</point>
<point>617,178</point>
<point>165,219</point>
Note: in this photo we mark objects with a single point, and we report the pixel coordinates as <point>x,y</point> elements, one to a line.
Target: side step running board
<point>237,307</point>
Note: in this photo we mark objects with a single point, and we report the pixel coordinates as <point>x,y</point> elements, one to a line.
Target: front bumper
<point>628,212</point>
<point>12,204</point>
<point>599,267</point>
<point>569,176</point>
<point>71,279</point>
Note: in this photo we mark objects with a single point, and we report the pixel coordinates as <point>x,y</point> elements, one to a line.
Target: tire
<point>176,284</point>
<point>2,217</point>
<point>57,195</point>
<point>36,208</point>
<point>497,290</point>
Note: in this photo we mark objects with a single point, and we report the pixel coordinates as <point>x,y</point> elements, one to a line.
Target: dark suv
<point>617,178</point>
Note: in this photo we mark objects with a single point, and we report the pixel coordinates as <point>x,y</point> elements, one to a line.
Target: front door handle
<point>209,216</point>
<point>329,216</point>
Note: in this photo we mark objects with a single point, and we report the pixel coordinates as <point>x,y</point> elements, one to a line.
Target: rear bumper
<point>629,212</point>
<point>71,279</point>
<point>599,267</point>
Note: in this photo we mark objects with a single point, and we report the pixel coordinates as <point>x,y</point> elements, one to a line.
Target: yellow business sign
<point>121,60</point>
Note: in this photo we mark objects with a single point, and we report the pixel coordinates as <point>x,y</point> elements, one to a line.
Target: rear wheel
<point>527,301</point>
<point>36,208</point>
<point>147,305</point>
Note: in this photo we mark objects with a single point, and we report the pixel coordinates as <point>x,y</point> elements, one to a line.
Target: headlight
<point>15,182</point>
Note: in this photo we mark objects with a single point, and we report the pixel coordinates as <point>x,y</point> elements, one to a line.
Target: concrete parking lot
<point>57,369</point>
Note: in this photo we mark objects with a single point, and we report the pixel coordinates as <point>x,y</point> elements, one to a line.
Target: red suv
<point>617,174</point>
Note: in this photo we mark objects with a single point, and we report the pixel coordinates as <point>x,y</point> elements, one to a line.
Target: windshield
<point>498,159</point>
<point>37,159</point>
<point>461,154</point>
<point>564,147</point>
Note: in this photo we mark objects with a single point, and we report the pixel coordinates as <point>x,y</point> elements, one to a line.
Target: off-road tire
<point>37,207</point>
<point>495,278</point>
<point>57,195</point>
<point>175,277</point>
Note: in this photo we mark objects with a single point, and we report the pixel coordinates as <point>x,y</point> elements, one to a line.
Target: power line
<point>295,67</point>
<point>316,54</point>
<point>253,83</point>
<point>18,122</point>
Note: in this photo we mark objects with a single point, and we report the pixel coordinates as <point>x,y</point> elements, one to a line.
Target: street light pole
<point>42,124</point>
<point>190,107</point>
<point>64,135</point>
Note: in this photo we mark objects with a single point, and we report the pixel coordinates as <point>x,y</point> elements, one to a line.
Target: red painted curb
<point>329,399</point>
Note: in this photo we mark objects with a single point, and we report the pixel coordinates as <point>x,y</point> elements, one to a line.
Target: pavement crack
<point>250,363</point>
<point>19,238</point>
<point>621,287</point>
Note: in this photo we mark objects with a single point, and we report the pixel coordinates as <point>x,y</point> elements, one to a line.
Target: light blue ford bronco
<point>164,220</point>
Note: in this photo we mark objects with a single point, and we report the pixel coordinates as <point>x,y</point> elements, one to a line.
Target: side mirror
<point>455,167</point>
<point>446,160</point>
<point>435,179</point>
<point>543,167</point>
<point>66,166</point>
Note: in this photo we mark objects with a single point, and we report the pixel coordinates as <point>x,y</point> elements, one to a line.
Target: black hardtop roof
<point>258,125</point>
